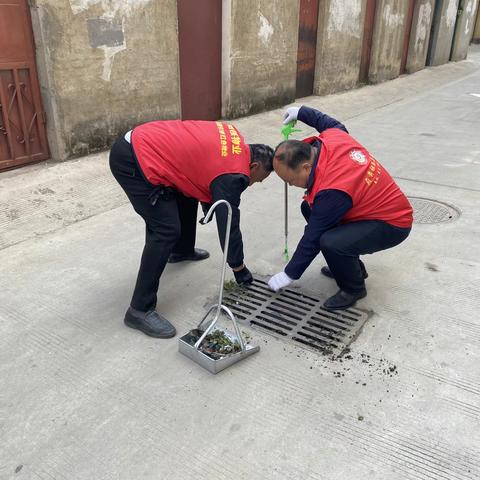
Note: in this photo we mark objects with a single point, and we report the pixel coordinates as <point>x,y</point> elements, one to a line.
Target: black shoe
<point>198,254</point>
<point>243,277</point>
<point>326,271</point>
<point>342,300</point>
<point>150,323</point>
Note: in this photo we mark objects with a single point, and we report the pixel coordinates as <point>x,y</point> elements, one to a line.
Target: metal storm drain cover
<point>432,211</point>
<point>293,315</point>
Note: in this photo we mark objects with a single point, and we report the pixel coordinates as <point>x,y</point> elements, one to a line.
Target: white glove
<point>290,114</point>
<point>278,281</point>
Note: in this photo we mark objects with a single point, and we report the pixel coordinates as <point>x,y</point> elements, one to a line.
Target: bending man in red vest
<point>352,205</point>
<point>165,168</point>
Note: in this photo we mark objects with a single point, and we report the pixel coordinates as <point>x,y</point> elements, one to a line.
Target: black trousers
<point>170,221</point>
<point>342,246</point>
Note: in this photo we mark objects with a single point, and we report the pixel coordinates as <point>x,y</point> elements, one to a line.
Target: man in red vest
<point>352,205</point>
<point>166,168</point>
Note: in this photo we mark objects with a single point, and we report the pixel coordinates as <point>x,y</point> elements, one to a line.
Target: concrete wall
<point>387,41</point>
<point>260,41</point>
<point>107,65</point>
<point>442,35</point>
<point>464,29</point>
<point>104,67</point>
<point>339,45</point>
<point>420,35</point>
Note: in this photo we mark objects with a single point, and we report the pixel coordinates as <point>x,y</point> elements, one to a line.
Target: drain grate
<point>432,211</point>
<point>292,315</point>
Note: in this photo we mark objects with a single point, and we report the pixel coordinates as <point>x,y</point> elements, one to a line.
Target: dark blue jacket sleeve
<point>229,187</point>
<point>318,120</point>
<point>328,209</point>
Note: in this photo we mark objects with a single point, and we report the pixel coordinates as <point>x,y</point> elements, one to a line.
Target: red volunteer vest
<point>189,155</point>
<point>345,165</point>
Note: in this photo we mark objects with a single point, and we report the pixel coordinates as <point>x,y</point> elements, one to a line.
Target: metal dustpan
<point>191,343</point>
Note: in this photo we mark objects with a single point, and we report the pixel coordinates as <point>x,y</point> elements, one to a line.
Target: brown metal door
<point>307,47</point>
<point>406,37</point>
<point>367,40</point>
<point>200,44</point>
<point>22,125</point>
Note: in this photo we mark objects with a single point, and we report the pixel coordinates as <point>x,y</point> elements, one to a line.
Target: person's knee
<point>328,243</point>
<point>306,210</point>
<point>167,234</point>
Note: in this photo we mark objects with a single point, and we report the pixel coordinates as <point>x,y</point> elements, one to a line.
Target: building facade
<point>74,74</point>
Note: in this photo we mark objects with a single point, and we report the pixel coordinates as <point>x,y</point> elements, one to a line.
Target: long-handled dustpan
<point>191,343</point>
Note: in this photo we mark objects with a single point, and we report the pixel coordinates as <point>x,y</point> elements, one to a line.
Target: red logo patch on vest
<point>358,156</point>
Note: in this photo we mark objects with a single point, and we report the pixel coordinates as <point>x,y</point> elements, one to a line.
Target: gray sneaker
<point>150,323</point>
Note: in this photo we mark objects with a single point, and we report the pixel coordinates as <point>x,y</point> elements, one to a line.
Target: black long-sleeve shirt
<point>318,120</point>
<point>329,206</point>
<point>229,187</point>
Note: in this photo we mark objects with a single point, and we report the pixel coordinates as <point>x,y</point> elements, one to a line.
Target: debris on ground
<point>231,286</point>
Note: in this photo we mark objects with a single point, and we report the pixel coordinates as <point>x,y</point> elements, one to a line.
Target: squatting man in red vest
<point>166,168</point>
<point>352,205</point>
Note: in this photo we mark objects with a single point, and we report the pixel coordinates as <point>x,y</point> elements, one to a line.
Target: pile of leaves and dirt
<point>231,286</point>
<point>218,344</point>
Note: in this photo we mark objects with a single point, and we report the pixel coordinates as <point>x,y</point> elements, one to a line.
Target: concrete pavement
<point>83,397</point>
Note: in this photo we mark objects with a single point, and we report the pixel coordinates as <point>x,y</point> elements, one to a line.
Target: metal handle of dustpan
<point>219,305</point>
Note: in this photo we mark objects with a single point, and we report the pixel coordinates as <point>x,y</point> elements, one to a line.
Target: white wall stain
<point>451,13</point>
<point>109,53</point>
<point>266,30</point>
<point>424,16</point>
<point>111,9</point>
<point>343,17</point>
<point>392,20</point>
<point>469,13</point>
<point>81,5</point>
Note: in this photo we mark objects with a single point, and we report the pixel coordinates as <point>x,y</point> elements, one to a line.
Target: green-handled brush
<point>287,130</point>
<point>285,250</point>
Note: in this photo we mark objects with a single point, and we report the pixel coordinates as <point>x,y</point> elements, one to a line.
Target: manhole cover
<point>432,211</point>
<point>291,314</point>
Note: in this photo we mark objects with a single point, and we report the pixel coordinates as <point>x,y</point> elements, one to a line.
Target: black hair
<point>294,153</point>
<point>263,154</point>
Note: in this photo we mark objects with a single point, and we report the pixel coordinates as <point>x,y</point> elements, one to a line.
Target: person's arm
<point>318,120</point>
<point>229,187</point>
<point>328,209</point>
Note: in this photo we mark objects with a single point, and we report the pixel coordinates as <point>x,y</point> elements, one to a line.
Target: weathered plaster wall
<point>442,35</point>
<point>260,51</point>
<point>105,66</point>
<point>420,35</point>
<point>464,30</point>
<point>387,41</point>
<point>339,45</point>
